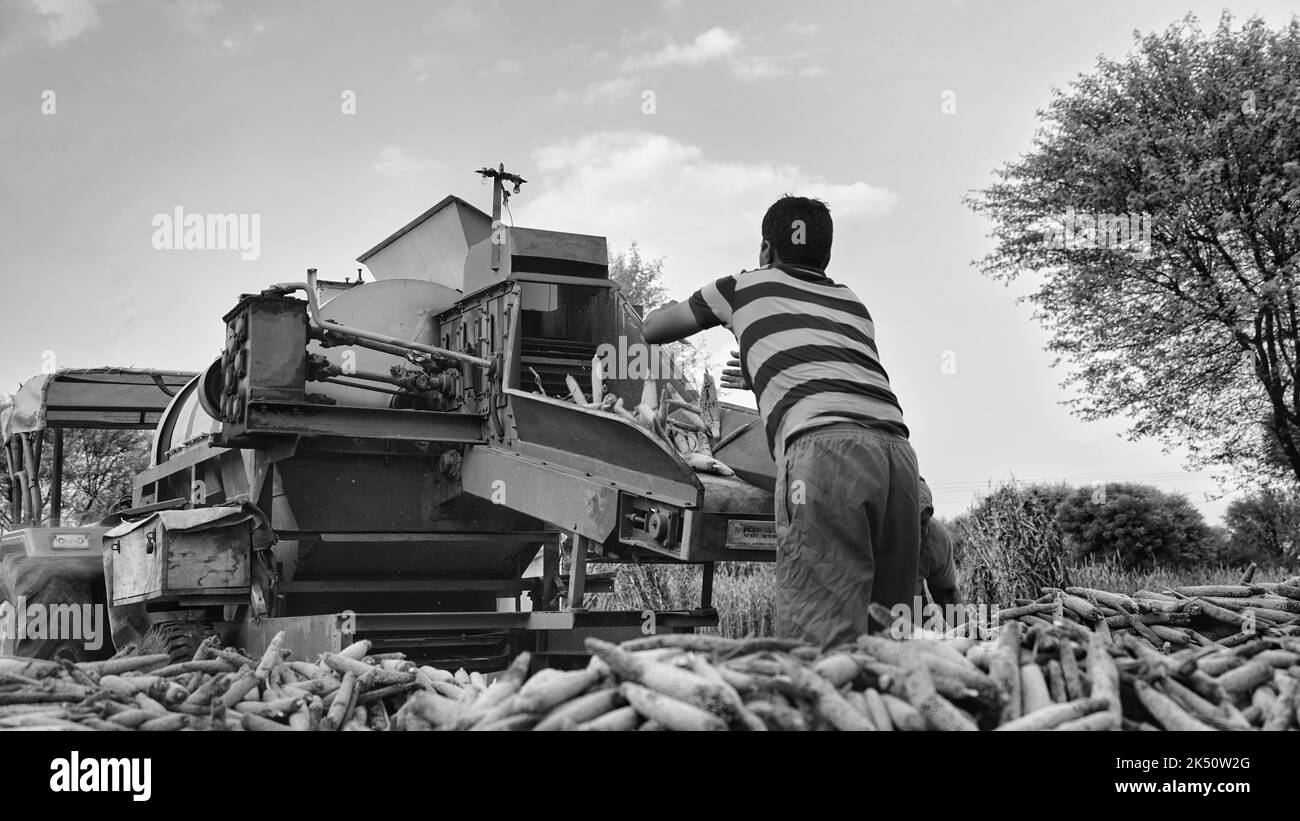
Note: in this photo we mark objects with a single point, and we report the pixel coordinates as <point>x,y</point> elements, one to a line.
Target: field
<point>742,593</point>
<point>1113,577</point>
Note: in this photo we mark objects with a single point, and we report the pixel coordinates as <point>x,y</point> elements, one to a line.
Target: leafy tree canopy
<point>1139,525</point>
<point>1159,208</point>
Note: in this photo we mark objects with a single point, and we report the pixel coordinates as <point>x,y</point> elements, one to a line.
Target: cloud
<point>236,41</point>
<point>747,59</point>
<point>608,91</point>
<point>193,15</point>
<point>421,62</point>
<point>758,67</point>
<point>503,66</point>
<point>710,46</point>
<point>457,17</point>
<point>19,25</point>
<point>701,212</point>
<point>67,20</point>
<point>393,161</point>
<point>611,90</point>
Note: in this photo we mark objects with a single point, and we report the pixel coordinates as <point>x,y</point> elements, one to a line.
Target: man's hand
<point>945,597</point>
<point>732,379</point>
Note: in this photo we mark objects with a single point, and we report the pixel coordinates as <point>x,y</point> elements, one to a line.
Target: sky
<point>672,124</point>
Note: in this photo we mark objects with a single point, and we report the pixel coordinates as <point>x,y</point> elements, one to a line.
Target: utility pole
<point>500,195</point>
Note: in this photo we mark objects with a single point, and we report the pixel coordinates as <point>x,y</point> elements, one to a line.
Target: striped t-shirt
<point>807,348</point>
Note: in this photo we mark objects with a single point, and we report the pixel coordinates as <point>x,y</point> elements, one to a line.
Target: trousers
<point>848,530</point>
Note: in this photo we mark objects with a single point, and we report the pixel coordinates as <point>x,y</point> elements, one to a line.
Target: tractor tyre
<point>180,640</point>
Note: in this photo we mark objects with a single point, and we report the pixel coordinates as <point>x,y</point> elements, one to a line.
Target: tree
<point>641,282</point>
<point>1218,547</point>
<point>98,468</point>
<point>5,522</point>
<point>1263,527</point>
<point>1139,525</point>
<point>1160,207</point>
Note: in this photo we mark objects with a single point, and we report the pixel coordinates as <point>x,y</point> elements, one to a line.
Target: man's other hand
<point>732,379</point>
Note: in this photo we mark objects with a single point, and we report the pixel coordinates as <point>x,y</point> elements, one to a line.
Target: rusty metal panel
<point>307,635</point>
<point>432,246</point>
<point>572,502</point>
<point>743,448</point>
<point>603,446</point>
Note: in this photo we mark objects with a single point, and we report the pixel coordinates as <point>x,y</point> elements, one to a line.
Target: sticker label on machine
<point>70,541</point>
<point>742,535</point>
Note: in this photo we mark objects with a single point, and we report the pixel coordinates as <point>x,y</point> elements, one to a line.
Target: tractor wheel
<point>180,640</point>
<point>53,594</point>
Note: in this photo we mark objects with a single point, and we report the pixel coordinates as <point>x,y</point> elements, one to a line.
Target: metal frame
<point>578,572</point>
<point>363,336</point>
<point>333,631</point>
<point>272,418</point>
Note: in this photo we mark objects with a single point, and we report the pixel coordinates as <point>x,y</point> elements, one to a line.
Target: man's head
<point>798,231</point>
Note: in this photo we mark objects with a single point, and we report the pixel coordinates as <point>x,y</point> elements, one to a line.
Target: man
<point>937,569</point>
<point>847,507</point>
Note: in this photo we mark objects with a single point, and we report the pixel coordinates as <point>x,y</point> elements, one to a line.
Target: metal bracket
<point>550,572</point>
<point>577,571</point>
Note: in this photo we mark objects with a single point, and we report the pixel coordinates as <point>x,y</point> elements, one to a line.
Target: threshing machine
<point>384,460</point>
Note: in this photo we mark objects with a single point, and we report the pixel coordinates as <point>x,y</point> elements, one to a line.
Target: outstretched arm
<point>670,323</point>
<point>707,308</point>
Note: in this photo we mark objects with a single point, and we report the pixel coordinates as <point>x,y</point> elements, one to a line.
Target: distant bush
<point>1136,525</point>
<point>1263,527</point>
<point>1008,544</point>
<point>1218,548</point>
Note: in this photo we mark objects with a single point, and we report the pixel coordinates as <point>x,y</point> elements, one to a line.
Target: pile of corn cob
<point>1076,660</point>
<point>689,428</point>
<point>1192,658</point>
<point>1060,677</point>
<point>219,689</point>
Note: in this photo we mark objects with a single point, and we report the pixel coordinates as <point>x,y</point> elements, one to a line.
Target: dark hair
<point>806,244</point>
